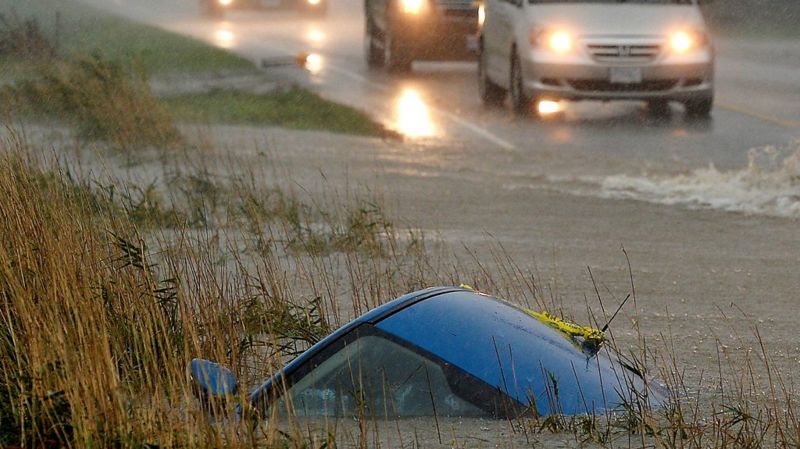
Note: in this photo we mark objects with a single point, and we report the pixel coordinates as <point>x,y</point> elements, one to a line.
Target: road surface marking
<point>786,123</point>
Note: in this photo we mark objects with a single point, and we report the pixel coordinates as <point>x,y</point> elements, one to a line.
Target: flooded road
<point>613,150</point>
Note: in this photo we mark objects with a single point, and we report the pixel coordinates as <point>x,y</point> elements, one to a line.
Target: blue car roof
<point>503,346</point>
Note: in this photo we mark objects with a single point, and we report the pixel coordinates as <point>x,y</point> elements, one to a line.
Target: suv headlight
<point>682,42</point>
<point>554,40</point>
<point>413,7</point>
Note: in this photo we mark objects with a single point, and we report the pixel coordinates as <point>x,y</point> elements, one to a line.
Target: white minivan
<point>652,50</point>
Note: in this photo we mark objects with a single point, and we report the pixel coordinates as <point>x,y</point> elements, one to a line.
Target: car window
<point>373,376</point>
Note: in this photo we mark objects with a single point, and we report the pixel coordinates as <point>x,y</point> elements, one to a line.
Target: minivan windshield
<point>643,2</point>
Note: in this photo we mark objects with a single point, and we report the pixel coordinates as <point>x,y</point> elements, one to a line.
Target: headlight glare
<point>559,41</point>
<point>555,41</point>
<point>681,42</point>
<point>413,7</point>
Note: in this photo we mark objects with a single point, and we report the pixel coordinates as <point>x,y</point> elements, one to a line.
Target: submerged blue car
<point>446,352</point>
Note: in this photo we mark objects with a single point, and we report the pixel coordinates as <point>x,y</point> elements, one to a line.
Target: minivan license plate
<point>625,75</point>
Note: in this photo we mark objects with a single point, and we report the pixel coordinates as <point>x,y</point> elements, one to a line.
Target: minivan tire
<point>491,93</point>
<point>372,52</point>
<point>520,101</point>
<point>699,107</point>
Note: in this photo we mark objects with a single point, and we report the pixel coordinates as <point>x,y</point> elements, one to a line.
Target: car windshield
<point>379,377</point>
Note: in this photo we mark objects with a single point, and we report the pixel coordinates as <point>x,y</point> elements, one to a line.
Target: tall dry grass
<point>101,99</point>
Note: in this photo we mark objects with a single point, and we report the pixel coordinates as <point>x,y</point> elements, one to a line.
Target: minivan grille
<point>602,85</point>
<point>624,52</point>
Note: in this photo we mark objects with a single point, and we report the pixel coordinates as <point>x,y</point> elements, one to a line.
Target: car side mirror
<point>212,380</point>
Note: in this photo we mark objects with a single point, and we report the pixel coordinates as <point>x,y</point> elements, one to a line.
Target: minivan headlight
<point>681,42</point>
<point>555,40</point>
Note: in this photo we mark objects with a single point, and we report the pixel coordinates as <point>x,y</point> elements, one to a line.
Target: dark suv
<point>217,8</point>
<point>398,32</point>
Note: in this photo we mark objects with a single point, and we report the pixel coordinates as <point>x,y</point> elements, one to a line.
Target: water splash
<point>770,185</point>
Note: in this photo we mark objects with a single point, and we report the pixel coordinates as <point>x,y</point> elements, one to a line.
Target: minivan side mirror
<point>212,380</point>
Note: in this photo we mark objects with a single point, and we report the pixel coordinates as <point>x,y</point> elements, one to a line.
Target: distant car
<point>217,8</point>
<point>448,352</point>
<point>652,50</point>
<point>399,32</point>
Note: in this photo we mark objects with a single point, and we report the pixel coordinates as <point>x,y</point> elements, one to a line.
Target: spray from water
<point>770,185</point>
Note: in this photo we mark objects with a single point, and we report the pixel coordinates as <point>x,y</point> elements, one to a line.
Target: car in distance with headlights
<point>653,50</point>
<point>399,32</point>
<point>217,8</point>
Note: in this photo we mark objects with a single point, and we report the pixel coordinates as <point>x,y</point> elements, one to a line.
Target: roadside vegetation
<point>294,108</point>
<point>76,30</point>
<point>100,99</point>
<point>78,64</point>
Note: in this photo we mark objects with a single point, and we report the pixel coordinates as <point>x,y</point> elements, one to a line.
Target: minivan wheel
<point>699,107</point>
<point>658,108</point>
<point>372,52</point>
<point>491,93</point>
<point>520,101</point>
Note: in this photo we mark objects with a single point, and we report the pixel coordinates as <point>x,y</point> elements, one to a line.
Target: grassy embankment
<point>139,52</point>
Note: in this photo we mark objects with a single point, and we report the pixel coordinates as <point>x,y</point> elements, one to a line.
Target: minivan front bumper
<point>583,78</point>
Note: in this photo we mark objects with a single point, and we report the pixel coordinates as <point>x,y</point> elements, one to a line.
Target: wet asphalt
<point>758,98</point>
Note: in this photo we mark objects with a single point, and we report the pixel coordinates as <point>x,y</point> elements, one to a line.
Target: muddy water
<point>700,274</point>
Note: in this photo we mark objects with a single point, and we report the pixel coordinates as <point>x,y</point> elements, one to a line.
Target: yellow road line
<point>786,123</point>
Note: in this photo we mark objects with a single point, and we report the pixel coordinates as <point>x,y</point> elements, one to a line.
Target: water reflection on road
<point>412,116</point>
<point>224,37</point>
